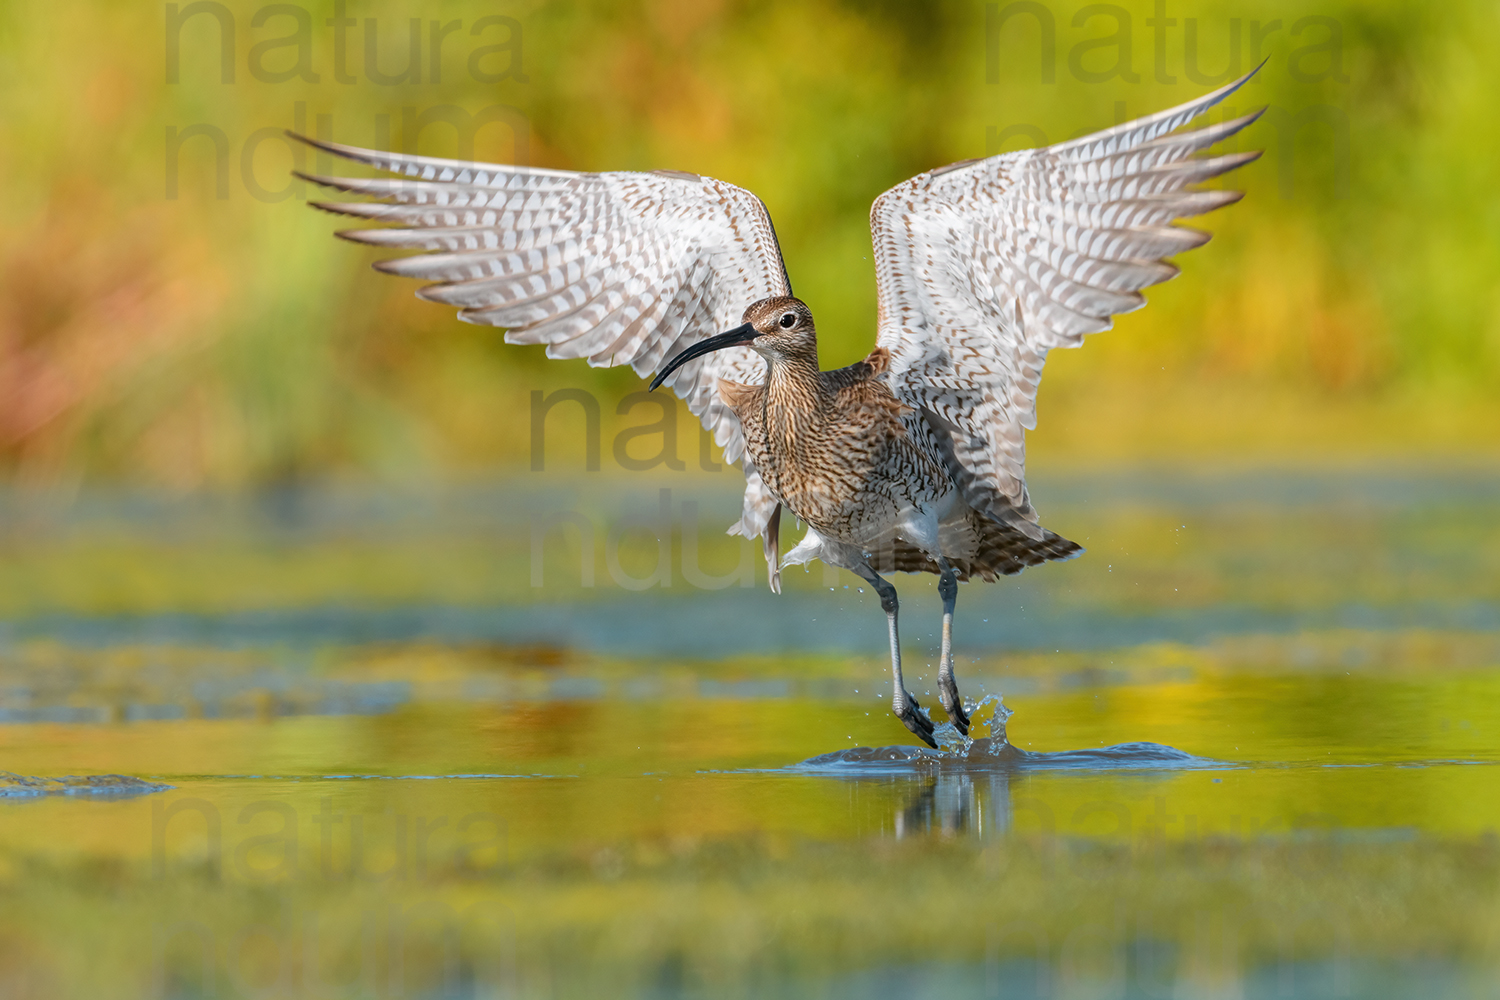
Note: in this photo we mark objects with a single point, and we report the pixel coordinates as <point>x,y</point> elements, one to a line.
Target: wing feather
<point>619,268</point>
<point>985,266</point>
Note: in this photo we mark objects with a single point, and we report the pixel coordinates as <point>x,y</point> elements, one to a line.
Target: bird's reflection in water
<point>956,804</point>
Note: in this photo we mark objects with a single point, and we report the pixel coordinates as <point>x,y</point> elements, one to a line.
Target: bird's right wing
<point>618,268</point>
<point>985,266</point>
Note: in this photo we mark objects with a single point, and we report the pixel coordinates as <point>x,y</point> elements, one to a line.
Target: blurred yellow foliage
<point>171,312</point>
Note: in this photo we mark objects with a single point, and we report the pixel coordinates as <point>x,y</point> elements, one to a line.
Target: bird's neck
<point>794,397</point>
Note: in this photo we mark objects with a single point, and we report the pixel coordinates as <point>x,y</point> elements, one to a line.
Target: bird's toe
<point>911,715</point>
<point>959,719</point>
<point>953,704</point>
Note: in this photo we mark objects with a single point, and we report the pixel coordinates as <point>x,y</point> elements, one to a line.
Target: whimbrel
<point>912,460</point>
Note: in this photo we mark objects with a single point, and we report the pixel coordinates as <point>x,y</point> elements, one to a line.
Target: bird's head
<point>779,328</point>
<point>783,328</point>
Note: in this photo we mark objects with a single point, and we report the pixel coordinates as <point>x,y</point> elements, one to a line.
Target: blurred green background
<point>171,312</point>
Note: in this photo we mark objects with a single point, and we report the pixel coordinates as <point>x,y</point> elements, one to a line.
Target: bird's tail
<point>979,547</point>
<point>1003,550</point>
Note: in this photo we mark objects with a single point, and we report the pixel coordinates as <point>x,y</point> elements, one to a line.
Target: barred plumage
<point>912,460</point>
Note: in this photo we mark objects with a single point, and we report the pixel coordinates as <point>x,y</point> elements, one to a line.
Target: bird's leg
<point>947,686</point>
<point>903,702</point>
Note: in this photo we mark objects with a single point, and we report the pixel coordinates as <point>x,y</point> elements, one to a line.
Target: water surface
<point>1247,747</point>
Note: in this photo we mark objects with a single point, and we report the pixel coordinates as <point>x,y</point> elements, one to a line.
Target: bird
<point>912,460</point>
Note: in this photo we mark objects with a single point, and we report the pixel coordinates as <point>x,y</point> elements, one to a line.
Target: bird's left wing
<point>619,268</point>
<point>985,266</point>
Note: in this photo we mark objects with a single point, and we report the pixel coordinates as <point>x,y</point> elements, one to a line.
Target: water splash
<point>986,729</point>
<point>986,748</point>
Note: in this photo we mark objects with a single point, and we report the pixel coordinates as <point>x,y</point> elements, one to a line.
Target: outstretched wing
<point>618,268</point>
<point>985,266</point>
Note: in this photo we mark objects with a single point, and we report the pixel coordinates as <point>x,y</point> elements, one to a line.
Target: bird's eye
<point>788,320</point>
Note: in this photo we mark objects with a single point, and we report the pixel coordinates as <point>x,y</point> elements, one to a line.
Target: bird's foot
<point>909,711</point>
<point>953,704</point>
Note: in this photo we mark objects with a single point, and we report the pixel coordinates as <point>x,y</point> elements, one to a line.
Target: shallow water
<point>1247,747</point>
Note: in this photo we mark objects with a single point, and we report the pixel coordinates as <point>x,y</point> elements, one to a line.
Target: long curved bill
<point>737,337</point>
